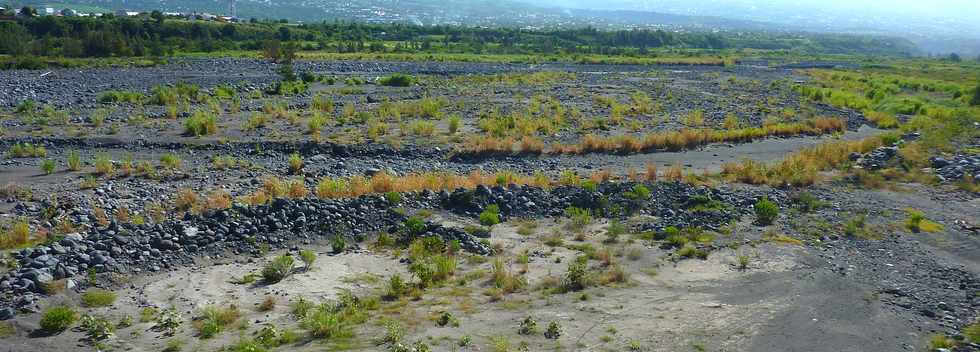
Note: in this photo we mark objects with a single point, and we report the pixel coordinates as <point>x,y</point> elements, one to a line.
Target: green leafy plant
<point>338,244</point>
<point>308,257</point>
<point>397,80</point>
<point>295,163</point>
<point>74,160</point>
<point>97,328</point>
<point>490,216</point>
<point>47,166</point>
<point>765,211</point>
<point>57,319</point>
<point>98,298</point>
<point>554,331</point>
<point>278,269</point>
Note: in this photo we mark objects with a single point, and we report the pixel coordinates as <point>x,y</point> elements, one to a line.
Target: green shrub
<point>169,321</point>
<point>528,326</point>
<point>322,103</point>
<point>972,332</point>
<point>395,287</point>
<point>171,161</point>
<point>339,244</point>
<point>104,165</point>
<point>47,166</point>
<point>576,277</point>
<point>454,123</point>
<point>939,341</point>
<point>57,319</point>
<point>97,328</point>
<point>213,320</point>
<point>288,88</point>
<point>201,123</point>
<point>393,198</point>
<point>397,80</point>
<point>554,331</point>
<point>295,163</point>
<point>807,202</point>
<point>415,226</point>
<point>590,185</point>
<point>689,251</point>
<point>74,160</point>
<point>490,216</point>
<point>278,269</point>
<point>445,267</point>
<point>766,211</point>
<point>639,192</point>
<point>308,257</point>
<point>98,298</point>
<point>580,218</point>
<point>27,150</point>
<point>324,323</point>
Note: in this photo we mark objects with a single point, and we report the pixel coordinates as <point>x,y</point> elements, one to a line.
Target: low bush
<point>27,150</point>
<point>201,123</point>
<point>490,216</point>
<point>765,211</point>
<point>15,234</point>
<point>308,257</point>
<point>295,163</point>
<point>57,319</point>
<point>278,269</point>
<point>98,298</point>
<point>213,320</point>
<point>48,166</point>
<point>397,80</point>
<point>97,328</point>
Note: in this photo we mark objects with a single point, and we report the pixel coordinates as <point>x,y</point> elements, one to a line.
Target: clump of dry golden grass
<point>189,201</point>
<point>651,172</point>
<point>675,173</point>
<point>487,146</point>
<point>687,138</point>
<point>217,200</point>
<point>186,200</point>
<point>802,168</point>
<point>350,187</point>
<point>15,235</point>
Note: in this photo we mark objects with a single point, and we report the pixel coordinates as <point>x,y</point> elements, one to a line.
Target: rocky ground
<point>815,280</point>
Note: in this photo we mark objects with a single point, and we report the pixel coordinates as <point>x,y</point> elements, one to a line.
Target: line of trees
<point>154,35</point>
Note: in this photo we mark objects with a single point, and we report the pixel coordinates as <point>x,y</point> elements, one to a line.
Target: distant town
<point>28,11</point>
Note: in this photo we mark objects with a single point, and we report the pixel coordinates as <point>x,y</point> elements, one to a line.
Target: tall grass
<point>349,187</point>
<point>802,168</point>
<point>683,139</point>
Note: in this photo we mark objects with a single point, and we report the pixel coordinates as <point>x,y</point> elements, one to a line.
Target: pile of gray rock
<point>244,230</point>
<point>957,167</point>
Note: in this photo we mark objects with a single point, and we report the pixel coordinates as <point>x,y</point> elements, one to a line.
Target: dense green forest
<point>154,35</point>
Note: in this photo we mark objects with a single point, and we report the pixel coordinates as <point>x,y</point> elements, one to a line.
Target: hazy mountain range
<point>938,26</point>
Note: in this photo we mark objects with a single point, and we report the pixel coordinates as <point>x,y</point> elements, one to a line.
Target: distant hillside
<point>474,13</point>
<point>457,12</point>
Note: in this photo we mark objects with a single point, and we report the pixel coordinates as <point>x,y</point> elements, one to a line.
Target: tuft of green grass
<point>766,211</point>
<point>213,320</point>
<point>490,216</point>
<point>397,80</point>
<point>48,166</point>
<point>917,222</point>
<point>57,319</point>
<point>278,269</point>
<point>201,123</point>
<point>98,298</point>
